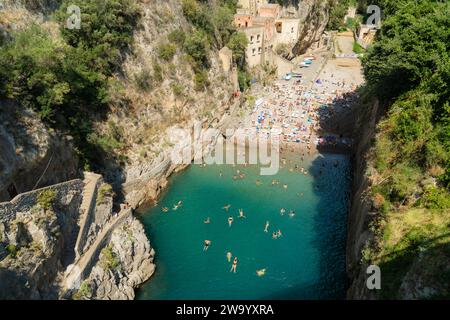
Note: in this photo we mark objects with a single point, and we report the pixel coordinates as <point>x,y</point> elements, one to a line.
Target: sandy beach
<point>303,110</point>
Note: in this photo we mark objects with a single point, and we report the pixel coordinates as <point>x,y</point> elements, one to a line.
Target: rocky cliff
<point>314,16</point>
<point>359,217</point>
<point>31,156</point>
<point>154,111</point>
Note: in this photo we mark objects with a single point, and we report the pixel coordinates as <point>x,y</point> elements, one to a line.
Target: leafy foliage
<point>408,70</point>
<point>46,198</point>
<point>68,81</point>
<point>238,44</point>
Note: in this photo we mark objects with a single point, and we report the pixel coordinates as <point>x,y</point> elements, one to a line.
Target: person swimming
<point>180,203</point>
<point>206,245</point>
<point>279,234</point>
<point>230,221</point>
<point>226,207</point>
<point>261,272</point>
<point>233,267</point>
<point>220,174</point>
<point>241,213</point>
<point>291,213</point>
<point>285,186</point>
<point>207,221</point>
<point>165,209</point>
<point>266,228</point>
<point>282,211</point>
<point>229,256</point>
<point>274,235</point>
<point>175,207</point>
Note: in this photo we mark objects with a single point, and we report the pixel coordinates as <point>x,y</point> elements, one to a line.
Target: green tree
<point>197,46</point>
<point>238,44</point>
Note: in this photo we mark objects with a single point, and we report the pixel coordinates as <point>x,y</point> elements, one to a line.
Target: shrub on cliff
<point>108,259</point>
<point>46,198</point>
<point>238,44</point>
<point>166,51</point>
<point>197,46</point>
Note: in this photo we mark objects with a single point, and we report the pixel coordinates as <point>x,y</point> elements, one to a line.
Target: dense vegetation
<point>68,81</point>
<point>338,10</point>
<point>408,69</point>
<point>213,28</point>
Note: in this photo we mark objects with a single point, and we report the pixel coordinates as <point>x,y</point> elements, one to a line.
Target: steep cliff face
<point>31,156</point>
<point>382,239</point>
<point>315,15</point>
<point>359,216</point>
<point>161,96</point>
<point>35,235</point>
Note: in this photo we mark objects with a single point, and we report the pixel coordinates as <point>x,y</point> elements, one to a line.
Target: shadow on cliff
<point>428,259</point>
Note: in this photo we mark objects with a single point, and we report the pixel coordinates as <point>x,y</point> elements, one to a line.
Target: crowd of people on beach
<point>296,110</point>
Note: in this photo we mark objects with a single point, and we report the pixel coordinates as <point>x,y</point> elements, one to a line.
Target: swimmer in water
<point>226,207</point>
<point>220,174</point>
<point>266,228</point>
<point>291,213</point>
<point>241,213</point>
<point>229,256</point>
<point>206,245</point>
<point>175,207</point>
<point>233,267</point>
<point>282,211</point>
<point>165,209</point>
<point>180,203</point>
<point>230,221</point>
<point>207,221</point>
<point>261,272</point>
<point>279,234</point>
<point>285,186</point>
<point>274,235</point>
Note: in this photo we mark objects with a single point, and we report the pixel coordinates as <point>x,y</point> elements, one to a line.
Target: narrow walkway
<point>78,271</point>
<point>87,206</point>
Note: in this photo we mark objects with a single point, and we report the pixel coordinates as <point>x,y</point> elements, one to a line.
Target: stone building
<point>265,27</point>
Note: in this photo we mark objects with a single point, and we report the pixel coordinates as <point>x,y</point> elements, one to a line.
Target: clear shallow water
<point>307,262</point>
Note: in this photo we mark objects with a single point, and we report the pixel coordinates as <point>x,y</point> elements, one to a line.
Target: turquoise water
<point>306,262</point>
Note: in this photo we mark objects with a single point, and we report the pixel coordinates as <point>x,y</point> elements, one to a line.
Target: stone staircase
<point>91,182</point>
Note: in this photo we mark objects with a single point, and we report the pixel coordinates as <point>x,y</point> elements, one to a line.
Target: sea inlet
<point>307,261</point>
